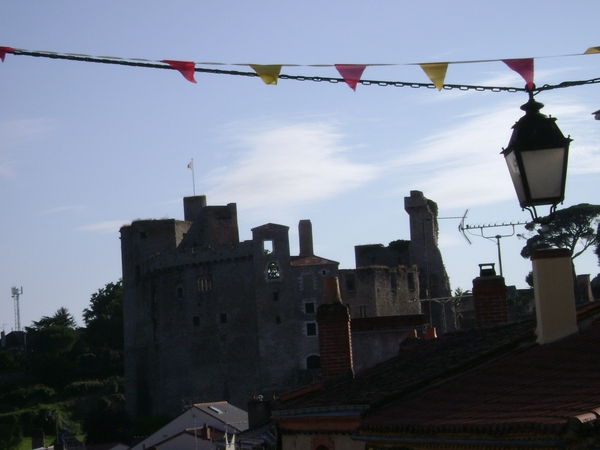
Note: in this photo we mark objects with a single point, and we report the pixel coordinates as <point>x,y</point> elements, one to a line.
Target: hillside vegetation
<point>57,377</point>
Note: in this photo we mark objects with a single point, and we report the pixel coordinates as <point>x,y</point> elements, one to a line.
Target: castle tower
<point>424,252</point>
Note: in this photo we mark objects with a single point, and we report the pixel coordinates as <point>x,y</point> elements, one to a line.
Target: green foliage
<point>62,317</point>
<point>55,339</point>
<point>529,279</point>
<point>12,360</point>
<point>567,228</point>
<point>108,422</point>
<point>104,317</point>
<point>23,397</point>
<point>81,388</point>
<point>51,357</point>
<point>56,417</point>
<point>73,377</point>
<point>458,296</point>
<point>11,433</point>
<point>597,249</point>
<point>400,245</point>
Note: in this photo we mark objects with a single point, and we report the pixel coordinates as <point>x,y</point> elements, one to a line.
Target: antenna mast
<point>15,295</point>
<point>464,229</point>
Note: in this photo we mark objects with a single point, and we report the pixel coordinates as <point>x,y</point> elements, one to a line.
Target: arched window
<point>313,362</point>
<point>273,271</point>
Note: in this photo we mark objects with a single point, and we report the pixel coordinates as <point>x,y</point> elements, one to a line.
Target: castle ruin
<point>208,317</point>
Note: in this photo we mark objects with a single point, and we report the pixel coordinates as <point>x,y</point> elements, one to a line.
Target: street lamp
<point>536,157</point>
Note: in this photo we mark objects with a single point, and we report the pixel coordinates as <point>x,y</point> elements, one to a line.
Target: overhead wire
<point>135,62</point>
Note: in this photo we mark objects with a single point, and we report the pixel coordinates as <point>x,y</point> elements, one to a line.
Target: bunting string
<point>351,73</point>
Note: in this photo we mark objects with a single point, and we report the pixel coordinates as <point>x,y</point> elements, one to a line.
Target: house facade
<point>526,384</point>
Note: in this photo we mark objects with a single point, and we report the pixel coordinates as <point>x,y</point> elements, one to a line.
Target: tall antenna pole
<point>15,295</point>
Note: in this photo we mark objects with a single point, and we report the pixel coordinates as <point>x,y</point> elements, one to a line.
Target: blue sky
<point>86,148</point>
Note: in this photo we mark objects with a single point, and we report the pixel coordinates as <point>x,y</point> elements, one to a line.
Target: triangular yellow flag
<point>591,50</point>
<point>268,73</point>
<point>436,73</point>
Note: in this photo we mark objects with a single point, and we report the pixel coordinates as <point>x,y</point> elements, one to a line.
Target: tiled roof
<point>538,388</point>
<point>310,261</point>
<point>258,437</point>
<point>226,413</point>
<point>382,322</point>
<point>419,363</point>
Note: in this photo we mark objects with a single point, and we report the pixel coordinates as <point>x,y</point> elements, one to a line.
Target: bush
<point>28,396</point>
<point>11,433</point>
<point>12,360</point>
<point>82,388</point>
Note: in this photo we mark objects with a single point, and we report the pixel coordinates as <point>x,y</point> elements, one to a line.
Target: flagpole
<point>191,166</point>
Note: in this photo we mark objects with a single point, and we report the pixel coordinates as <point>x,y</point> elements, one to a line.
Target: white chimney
<point>554,294</point>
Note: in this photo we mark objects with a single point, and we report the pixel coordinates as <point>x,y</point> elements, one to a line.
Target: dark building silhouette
<point>208,317</point>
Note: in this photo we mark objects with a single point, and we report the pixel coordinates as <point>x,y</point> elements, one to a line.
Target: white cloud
<point>462,166</point>
<point>111,226</point>
<point>289,164</point>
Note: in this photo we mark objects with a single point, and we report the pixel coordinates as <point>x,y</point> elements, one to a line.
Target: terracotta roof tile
<point>310,261</point>
<point>418,364</point>
<point>539,387</point>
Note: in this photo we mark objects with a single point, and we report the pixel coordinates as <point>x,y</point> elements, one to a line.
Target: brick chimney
<point>554,294</point>
<point>335,341</point>
<point>489,297</point>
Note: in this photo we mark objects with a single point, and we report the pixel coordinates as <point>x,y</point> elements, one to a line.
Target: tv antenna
<point>465,230</point>
<point>16,292</point>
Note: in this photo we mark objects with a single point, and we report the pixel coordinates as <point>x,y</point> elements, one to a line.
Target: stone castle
<point>209,317</point>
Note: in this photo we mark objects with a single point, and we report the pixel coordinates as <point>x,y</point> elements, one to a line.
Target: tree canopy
<point>597,251</point>
<point>574,228</point>
<point>104,317</point>
<point>62,317</point>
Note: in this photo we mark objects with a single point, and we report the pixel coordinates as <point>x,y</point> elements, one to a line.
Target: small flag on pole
<point>191,166</point>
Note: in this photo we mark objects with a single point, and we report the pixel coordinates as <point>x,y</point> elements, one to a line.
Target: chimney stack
<point>489,297</point>
<point>259,411</point>
<point>335,341</point>
<point>205,432</point>
<point>554,294</point>
<point>584,286</point>
<point>306,238</point>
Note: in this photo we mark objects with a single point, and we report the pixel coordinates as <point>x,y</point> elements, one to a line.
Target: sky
<point>86,148</point>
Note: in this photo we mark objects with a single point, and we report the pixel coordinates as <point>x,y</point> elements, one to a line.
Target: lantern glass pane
<point>544,171</point>
<point>515,175</point>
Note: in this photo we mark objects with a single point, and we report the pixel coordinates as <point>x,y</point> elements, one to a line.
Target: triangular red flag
<point>523,67</point>
<point>4,51</point>
<point>187,68</point>
<point>351,73</point>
